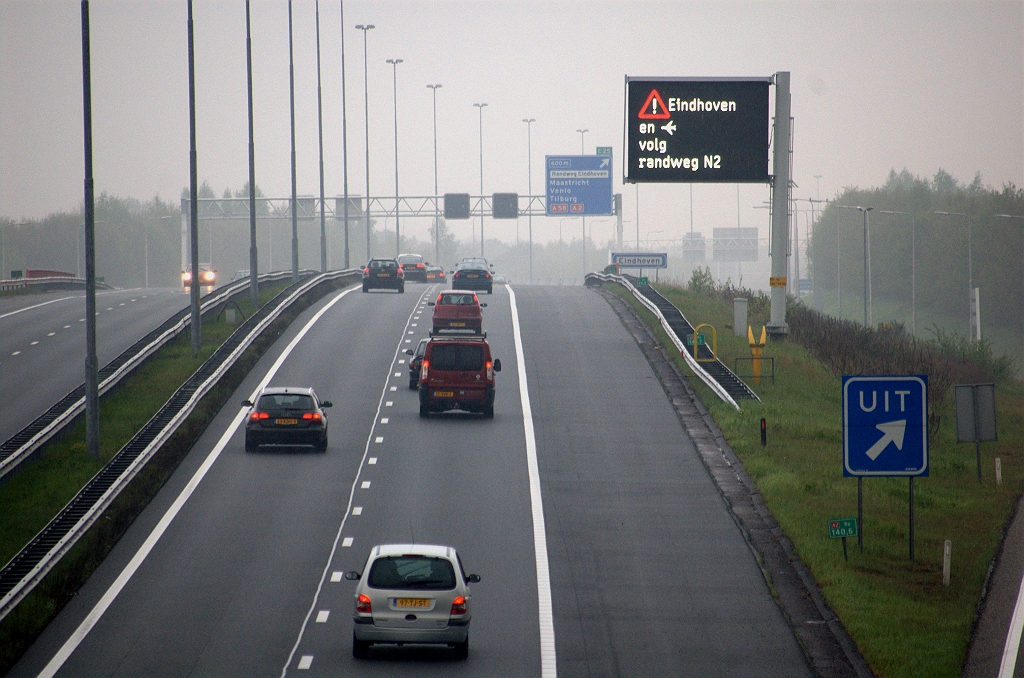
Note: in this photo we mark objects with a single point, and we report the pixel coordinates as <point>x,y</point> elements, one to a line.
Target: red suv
<point>457,312</point>
<point>457,373</point>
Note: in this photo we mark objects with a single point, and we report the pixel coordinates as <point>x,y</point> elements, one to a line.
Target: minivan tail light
<point>459,605</point>
<point>490,371</point>
<point>423,370</point>
<point>363,604</point>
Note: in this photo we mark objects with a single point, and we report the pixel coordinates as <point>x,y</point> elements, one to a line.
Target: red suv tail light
<point>459,605</point>
<point>363,604</point>
<point>366,271</point>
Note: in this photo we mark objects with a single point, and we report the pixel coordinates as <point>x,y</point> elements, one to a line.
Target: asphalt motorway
<point>648,573</point>
<point>42,343</point>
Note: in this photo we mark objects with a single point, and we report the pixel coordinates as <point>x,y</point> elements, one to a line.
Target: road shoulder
<point>829,649</point>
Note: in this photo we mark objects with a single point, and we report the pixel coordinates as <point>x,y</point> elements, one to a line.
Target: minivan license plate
<point>443,394</point>
<point>412,602</point>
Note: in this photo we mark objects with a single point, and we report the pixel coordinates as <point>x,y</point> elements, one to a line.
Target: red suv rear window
<point>457,357</point>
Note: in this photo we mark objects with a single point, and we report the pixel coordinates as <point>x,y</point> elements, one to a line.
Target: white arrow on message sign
<point>893,433</point>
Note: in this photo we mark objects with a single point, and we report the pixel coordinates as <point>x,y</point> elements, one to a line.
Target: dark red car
<point>457,373</point>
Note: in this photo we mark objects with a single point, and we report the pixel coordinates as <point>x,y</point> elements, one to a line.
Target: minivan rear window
<point>457,357</point>
<point>412,572</point>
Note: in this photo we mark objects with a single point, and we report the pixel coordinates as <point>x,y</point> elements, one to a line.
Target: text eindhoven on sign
<point>885,425</point>
<point>692,130</point>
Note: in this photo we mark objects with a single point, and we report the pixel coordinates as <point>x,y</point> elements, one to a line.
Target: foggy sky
<point>875,86</point>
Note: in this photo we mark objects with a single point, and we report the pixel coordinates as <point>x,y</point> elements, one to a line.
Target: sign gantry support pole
<point>777,326</point>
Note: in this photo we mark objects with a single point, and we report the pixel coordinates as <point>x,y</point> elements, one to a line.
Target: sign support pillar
<point>777,326</point>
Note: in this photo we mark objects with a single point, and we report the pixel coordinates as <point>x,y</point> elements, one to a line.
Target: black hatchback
<point>383,274</point>
<point>286,416</point>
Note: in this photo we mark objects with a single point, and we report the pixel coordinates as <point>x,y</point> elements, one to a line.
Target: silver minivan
<point>412,593</point>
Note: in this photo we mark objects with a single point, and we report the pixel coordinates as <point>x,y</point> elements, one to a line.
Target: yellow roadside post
<point>755,350</point>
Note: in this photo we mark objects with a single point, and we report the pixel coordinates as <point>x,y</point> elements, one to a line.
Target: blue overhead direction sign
<point>885,425</point>
<point>640,259</point>
<point>578,185</point>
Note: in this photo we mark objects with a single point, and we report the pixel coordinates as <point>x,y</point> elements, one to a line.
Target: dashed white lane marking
<point>67,327</point>
<point>398,374</point>
<point>389,403</point>
<point>33,343</point>
<point>51,334</point>
<point>402,361</point>
<point>16,353</point>
<point>548,664</point>
<point>81,320</point>
<point>384,420</point>
<point>357,511</point>
<point>337,539</point>
<point>121,304</point>
<point>322,615</point>
<point>378,439</point>
<point>414,325</point>
<point>365,485</point>
<point>408,341</point>
<point>348,540</point>
<point>373,460</point>
<point>410,332</point>
<point>140,556</point>
<point>110,308</point>
<point>305,662</point>
<point>337,576</point>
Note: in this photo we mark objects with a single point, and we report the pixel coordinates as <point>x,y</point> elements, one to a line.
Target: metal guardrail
<point>27,569</point>
<point>25,443</point>
<point>697,367</point>
<point>55,283</point>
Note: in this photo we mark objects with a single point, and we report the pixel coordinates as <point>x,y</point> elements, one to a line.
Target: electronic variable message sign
<point>690,130</point>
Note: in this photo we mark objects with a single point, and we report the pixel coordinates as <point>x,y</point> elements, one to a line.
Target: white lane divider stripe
<point>140,556</point>
<point>1008,665</point>
<point>348,511</point>
<point>336,576</point>
<point>305,662</point>
<point>322,616</point>
<point>548,665</point>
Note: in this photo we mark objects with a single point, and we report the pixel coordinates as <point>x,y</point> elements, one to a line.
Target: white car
<point>412,593</point>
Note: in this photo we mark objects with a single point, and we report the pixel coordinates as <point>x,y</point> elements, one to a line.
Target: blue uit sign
<point>578,185</point>
<point>885,425</point>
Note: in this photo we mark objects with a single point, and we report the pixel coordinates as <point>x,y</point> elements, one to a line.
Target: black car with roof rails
<point>286,416</point>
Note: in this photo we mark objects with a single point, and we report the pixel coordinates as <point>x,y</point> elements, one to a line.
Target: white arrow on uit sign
<point>893,433</point>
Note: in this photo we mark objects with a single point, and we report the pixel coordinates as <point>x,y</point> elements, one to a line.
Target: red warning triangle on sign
<point>654,108</point>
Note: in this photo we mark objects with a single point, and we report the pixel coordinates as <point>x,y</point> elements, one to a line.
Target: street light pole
<point>437,217</point>
<point>529,183</point>
<point>582,133</point>
<point>970,276</point>
<point>480,107</point>
<point>867,262</point>
<point>398,231</point>
<point>366,117</point>
<point>344,135</point>
<point>253,258</point>
<point>291,98</point>
<point>1013,216</point>
<point>320,129</point>
<point>913,268</point>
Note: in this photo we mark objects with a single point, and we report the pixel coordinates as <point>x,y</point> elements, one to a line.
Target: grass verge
<point>35,495</point>
<point>904,621</point>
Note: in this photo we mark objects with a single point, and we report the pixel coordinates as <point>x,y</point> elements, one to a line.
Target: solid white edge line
<point>548,665</point>
<point>348,509</point>
<point>1012,648</point>
<point>140,556</point>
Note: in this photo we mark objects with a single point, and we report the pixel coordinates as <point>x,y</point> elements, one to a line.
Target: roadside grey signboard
<point>696,130</point>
